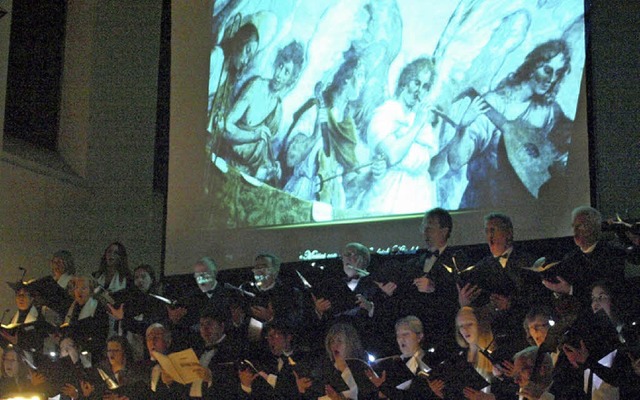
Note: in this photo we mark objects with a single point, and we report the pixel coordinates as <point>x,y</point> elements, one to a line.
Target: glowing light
<point>26,397</point>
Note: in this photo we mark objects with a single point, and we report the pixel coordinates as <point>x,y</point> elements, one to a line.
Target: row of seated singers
<point>277,367</point>
<point>500,289</point>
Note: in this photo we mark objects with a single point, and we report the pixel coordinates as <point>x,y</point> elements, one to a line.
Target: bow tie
<point>435,253</point>
<point>355,278</point>
<point>284,360</point>
<point>210,347</point>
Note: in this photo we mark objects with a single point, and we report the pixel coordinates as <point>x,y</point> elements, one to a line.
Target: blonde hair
<point>485,340</point>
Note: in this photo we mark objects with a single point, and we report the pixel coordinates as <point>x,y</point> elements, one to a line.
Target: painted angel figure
<point>504,142</point>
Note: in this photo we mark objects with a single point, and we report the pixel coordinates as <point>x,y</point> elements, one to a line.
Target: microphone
<point>239,289</point>
<point>305,282</point>
<point>360,271</point>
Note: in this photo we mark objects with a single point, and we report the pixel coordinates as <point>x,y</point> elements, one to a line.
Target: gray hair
<point>544,377</point>
<point>594,218</point>
<point>156,326</point>
<point>412,322</point>
<point>361,250</point>
<point>210,264</point>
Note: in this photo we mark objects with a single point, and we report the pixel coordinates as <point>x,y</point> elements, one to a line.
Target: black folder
<point>359,369</point>
<point>337,292</point>
<point>395,368</point>
<point>550,270</point>
<point>596,331</point>
<point>457,374</point>
<point>490,280</point>
<point>47,292</point>
<point>324,374</point>
<point>38,325</point>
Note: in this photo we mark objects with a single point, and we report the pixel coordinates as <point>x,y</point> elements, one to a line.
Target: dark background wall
<point>615,104</point>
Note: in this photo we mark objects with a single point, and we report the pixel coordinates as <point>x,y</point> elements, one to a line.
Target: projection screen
<point>303,125</point>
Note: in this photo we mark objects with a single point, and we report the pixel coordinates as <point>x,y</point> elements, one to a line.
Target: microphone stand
<point>363,273</point>
<point>239,289</point>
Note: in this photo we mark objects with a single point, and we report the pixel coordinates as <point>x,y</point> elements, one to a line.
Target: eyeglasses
<point>202,278</point>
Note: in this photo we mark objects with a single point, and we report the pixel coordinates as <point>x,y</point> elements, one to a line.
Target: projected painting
<point>342,110</point>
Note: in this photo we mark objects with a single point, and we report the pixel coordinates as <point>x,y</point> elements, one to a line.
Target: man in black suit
<point>592,261</point>
<point>432,295</point>
<point>503,282</point>
<point>439,264</point>
<point>504,277</point>
<point>355,297</point>
<point>274,299</point>
<point>218,354</point>
<point>355,262</point>
<point>272,375</point>
<point>159,383</point>
<point>184,318</point>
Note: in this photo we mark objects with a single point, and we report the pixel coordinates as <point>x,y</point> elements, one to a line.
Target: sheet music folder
<point>457,374</point>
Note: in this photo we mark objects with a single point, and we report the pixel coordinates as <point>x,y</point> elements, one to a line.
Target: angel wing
<point>477,40</point>
<point>484,41</point>
<point>574,36</point>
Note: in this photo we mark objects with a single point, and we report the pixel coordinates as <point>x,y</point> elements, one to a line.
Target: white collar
<point>440,250</point>
<point>64,279</point>
<point>32,316</point>
<point>116,283</point>
<point>589,249</point>
<point>88,310</point>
